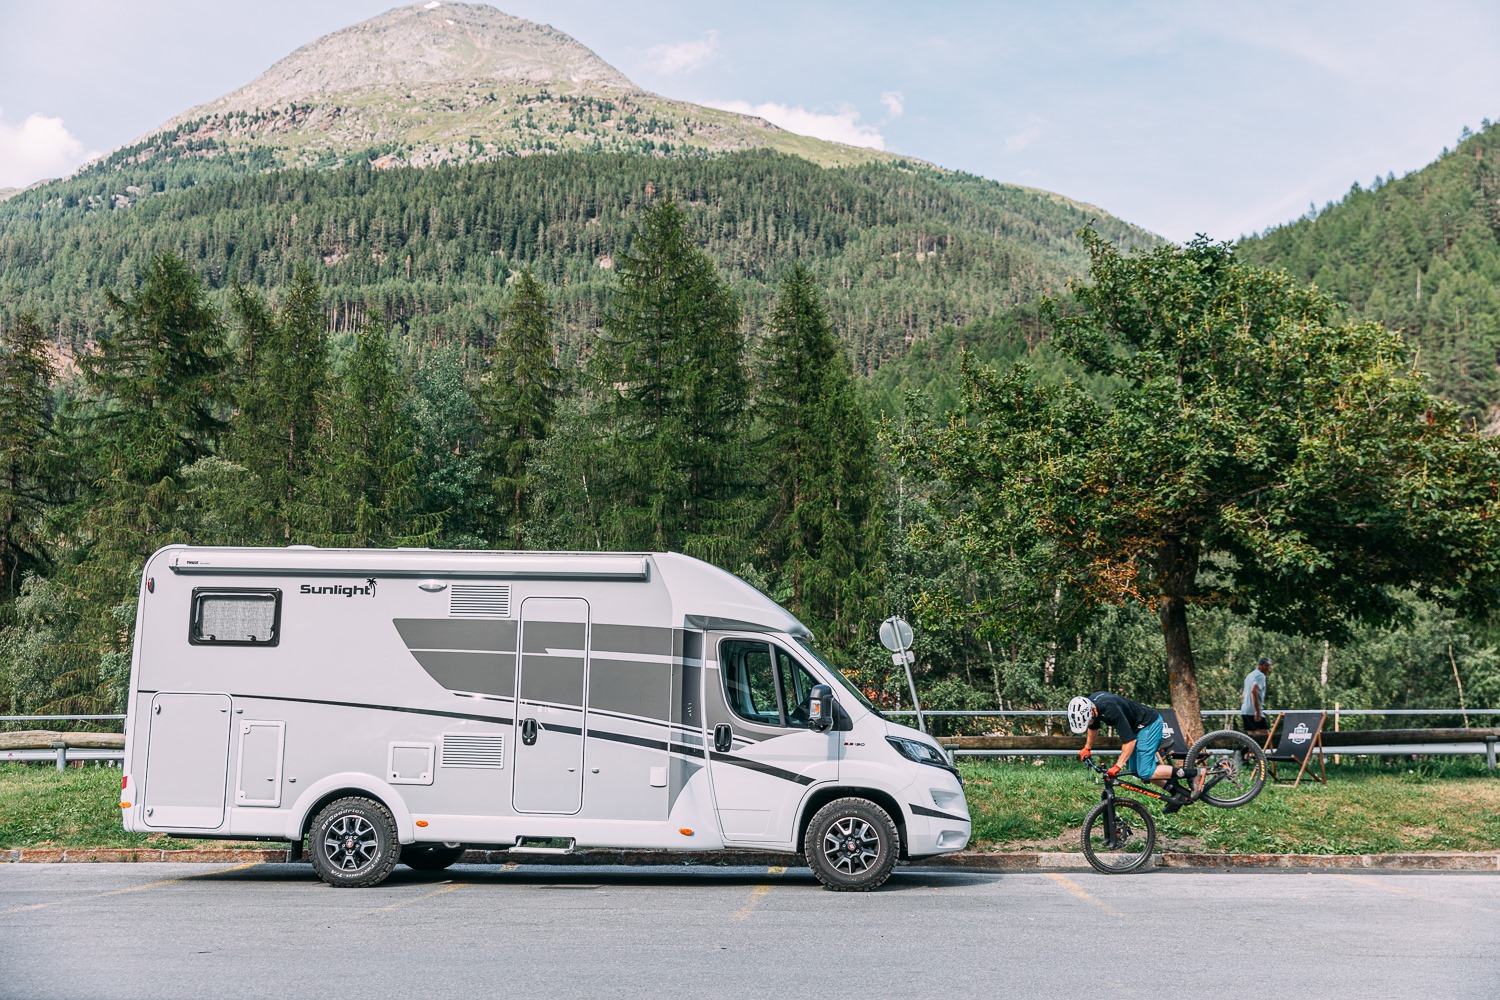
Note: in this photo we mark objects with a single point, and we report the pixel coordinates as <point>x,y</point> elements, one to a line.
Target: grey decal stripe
<point>494,636</point>
<point>630,687</point>
<point>647,639</point>
<point>924,811</point>
<point>755,765</point>
<point>498,719</point>
<point>469,670</point>
<point>641,741</point>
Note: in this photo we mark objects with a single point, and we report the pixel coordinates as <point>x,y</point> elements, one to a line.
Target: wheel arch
<point>825,794</point>
<point>338,786</point>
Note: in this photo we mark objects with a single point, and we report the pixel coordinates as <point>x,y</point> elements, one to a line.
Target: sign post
<point>895,635</point>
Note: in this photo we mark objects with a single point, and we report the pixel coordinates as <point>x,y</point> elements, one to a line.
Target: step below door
<point>552,673</point>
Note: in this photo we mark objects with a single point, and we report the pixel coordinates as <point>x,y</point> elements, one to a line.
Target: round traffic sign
<point>895,634</point>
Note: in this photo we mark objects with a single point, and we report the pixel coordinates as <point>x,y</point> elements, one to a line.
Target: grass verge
<point>1367,807</point>
<point>1439,804</point>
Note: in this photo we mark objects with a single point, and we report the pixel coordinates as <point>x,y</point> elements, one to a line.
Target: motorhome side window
<point>235,617</point>
<point>762,683</point>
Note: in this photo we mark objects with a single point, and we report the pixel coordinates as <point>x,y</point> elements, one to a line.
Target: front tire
<point>354,844</point>
<point>1128,846</point>
<point>1236,767</point>
<point>851,845</point>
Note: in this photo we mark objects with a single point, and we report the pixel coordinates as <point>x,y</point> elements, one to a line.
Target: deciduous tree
<point>1260,453</point>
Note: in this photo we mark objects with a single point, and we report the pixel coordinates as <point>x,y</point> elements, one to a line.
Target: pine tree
<point>155,377</point>
<point>283,400</point>
<point>670,372</point>
<point>816,449</point>
<point>25,441</point>
<point>150,412</point>
<point>369,469</point>
<point>516,402</point>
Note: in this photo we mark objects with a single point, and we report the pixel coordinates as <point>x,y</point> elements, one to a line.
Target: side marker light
<point>685,832</point>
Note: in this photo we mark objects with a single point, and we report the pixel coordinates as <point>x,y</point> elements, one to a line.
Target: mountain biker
<point>1140,729</point>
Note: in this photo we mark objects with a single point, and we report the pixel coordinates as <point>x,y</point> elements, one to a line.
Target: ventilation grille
<point>467,600</point>
<point>468,750</point>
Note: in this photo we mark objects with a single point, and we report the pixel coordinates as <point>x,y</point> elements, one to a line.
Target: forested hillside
<point>606,320</point>
<point>1419,254</point>
<point>901,251</point>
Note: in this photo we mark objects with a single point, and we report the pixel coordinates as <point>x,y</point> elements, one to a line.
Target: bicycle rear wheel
<point>1125,848</point>
<point>1236,767</point>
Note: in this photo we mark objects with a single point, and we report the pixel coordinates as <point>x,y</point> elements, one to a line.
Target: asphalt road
<point>270,930</point>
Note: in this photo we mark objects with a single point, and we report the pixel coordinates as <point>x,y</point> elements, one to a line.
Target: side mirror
<point>820,708</point>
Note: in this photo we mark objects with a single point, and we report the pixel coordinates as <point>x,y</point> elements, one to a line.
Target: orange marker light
<point>421,822</point>
<point>124,805</point>
<point>685,832</point>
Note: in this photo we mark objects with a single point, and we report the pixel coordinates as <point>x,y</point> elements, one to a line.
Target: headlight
<point>921,753</point>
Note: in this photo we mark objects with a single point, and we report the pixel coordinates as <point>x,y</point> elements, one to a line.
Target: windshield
<point>838,675</point>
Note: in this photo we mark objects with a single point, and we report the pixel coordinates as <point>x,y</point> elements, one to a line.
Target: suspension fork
<point>1108,798</point>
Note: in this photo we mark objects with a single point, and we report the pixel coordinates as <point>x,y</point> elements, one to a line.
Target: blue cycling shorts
<point>1143,761</point>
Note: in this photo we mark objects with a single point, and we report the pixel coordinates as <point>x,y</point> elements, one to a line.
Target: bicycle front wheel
<point>1236,767</point>
<point>1124,848</point>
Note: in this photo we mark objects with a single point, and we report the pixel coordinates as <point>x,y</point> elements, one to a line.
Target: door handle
<point>723,737</point>
<point>528,731</point>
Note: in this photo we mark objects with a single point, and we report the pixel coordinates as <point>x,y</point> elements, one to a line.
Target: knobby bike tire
<point>1237,767</point>
<point>1140,838</point>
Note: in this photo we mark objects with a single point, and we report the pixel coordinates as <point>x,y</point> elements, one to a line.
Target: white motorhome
<point>402,705</point>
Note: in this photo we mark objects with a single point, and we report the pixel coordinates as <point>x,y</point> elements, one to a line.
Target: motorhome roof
<point>703,595</point>
<point>307,560</point>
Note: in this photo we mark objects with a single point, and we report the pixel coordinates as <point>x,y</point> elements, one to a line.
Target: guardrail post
<point>1489,752</point>
<point>62,754</point>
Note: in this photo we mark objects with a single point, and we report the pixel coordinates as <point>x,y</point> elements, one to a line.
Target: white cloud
<point>894,103</point>
<point>1020,140</point>
<point>684,57</point>
<point>841,126</point>
<point>37,149</point>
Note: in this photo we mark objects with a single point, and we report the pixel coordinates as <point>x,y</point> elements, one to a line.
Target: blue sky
<point>1181,117</point>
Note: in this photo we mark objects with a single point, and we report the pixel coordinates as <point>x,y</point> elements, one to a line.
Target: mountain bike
<point>1119,834</point>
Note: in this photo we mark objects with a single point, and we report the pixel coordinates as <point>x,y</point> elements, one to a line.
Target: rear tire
<point>353,843</point>
<point>851,845</point>
<point>1236,767</point>
<point>1133,841</point>
<point>430,857</point>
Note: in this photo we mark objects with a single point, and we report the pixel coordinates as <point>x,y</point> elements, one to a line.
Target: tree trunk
<point>1177,571</point>
<point>1182,673</point>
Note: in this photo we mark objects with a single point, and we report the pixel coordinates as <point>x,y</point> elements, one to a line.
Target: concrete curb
<point>968,860</point>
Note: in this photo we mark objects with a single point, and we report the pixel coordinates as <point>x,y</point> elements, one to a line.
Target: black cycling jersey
<point>1128,717</point>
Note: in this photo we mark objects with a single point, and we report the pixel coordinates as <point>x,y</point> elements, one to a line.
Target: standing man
<point>1253,704</point>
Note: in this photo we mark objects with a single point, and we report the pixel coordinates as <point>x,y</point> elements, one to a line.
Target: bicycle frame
<point>1107,796</point>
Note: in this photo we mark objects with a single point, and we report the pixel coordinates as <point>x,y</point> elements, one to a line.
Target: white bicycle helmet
<point>1080,714</point>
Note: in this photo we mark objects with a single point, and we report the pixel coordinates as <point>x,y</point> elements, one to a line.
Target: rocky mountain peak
<point>427,44</point>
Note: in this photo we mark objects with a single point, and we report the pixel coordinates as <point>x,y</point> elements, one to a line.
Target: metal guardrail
<point>1226,712</point>
<point>1486,747</point>
<point>65,754</point>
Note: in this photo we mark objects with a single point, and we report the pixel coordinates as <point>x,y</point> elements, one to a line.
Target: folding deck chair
<point>1172,743</point>
<point>1301,734</point>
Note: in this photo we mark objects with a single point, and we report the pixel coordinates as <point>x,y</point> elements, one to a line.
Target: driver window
<point>749,681</point>
<point>796,687</point>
